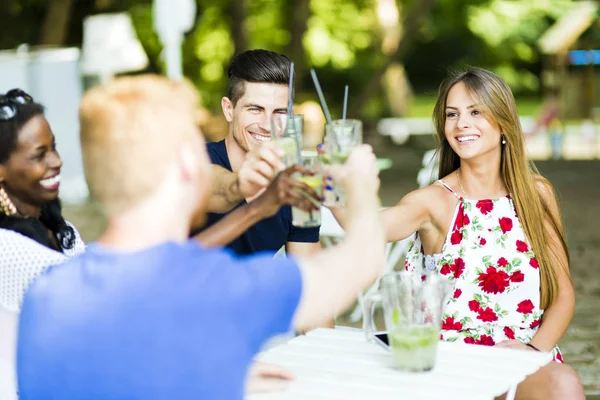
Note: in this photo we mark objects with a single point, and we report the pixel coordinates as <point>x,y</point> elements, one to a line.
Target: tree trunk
<point>56,23</point>
<point>239,33</point>
<point>297,12</point>
<point>412,22</point>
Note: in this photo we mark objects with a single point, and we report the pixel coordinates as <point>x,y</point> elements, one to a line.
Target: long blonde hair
<point>519,175</point>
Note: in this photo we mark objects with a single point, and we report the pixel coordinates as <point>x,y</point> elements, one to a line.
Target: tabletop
<point>341,364</point>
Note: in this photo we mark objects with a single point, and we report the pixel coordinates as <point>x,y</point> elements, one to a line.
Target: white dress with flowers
<point>496,276</point>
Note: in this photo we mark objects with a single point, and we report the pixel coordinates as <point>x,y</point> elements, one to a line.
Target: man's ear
<point>227,107</point>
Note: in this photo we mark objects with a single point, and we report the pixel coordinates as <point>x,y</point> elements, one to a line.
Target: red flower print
<point>509,333</point>
<point>522,246</point>
<point>559,358</point>
<point>534,263</point>
<point>457,293</point>
<point>450,325</point>
<point>487,315</point>
<point>482,242</point>
<point>486,340</point>
<point>535,323</point>
<point>469,340</point>
<point>456,237</point>
<point>493,281</point>
<point>474,305</point>
<point>458,267</point>
<point>445,270</point>
<point>505,224</point>
<point>517,277</point>
<point>525,307</point>
<point>459,222</point>
<point>466,220</point>
<point>502,262</point>
<point>485,206</point>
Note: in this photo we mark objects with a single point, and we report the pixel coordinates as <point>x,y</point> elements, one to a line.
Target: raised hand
<point>284,190</point>
<point>259,169</point>
<point>359,177</point>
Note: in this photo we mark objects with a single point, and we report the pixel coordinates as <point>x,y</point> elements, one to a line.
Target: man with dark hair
<point>258,88</point>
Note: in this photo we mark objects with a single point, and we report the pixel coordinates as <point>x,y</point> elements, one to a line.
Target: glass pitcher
<point>412,308</point>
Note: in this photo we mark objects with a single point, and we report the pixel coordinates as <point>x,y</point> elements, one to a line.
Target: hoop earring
<point>6,205</point>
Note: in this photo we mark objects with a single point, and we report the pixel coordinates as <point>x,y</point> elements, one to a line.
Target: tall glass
<point>287,133</point>
<point>348,135</point>
<point>412,308</point>
<point>300,217</point>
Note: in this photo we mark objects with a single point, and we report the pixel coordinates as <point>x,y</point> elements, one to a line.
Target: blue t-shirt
<point>175,321</point>
<point>268,234</point>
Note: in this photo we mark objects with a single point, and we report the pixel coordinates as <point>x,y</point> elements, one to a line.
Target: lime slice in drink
<point>334,158</point>
<point>314,182</point>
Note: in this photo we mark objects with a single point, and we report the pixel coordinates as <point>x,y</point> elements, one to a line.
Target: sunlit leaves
<point>337,30</point>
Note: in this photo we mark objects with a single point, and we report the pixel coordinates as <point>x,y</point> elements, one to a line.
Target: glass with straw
<point>286,132</point>
<point>348,134</point>
<point>312,218</point>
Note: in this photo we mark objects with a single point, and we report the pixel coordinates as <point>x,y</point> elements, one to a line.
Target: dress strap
<point>449,188</point>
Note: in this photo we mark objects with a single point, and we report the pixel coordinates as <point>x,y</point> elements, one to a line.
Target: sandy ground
<point>578,183</point>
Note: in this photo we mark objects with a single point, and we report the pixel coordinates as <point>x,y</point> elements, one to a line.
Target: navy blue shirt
<point>175,321</point>
<point>269,234</point>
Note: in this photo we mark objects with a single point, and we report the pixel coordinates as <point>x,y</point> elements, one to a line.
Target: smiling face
<point>31,175</point>
<point>469,131</point>
<point>250,117</point>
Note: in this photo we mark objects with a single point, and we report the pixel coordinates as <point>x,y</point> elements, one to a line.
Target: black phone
<point>381,338</point>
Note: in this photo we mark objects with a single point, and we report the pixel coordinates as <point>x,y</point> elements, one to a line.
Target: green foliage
<point>342,40</point>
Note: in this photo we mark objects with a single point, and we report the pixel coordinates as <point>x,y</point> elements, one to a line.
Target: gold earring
<point>6,205</point>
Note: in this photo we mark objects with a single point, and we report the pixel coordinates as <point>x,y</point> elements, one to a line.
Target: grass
<point>422,106</point>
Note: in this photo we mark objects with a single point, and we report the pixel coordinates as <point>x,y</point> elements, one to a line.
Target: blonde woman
<point>492,226</point>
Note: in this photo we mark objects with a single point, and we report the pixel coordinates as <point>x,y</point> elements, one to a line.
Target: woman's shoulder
<point>432,194</point>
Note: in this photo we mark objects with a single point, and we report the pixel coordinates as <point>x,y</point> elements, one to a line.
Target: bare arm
<point>284,190</point>
<point>331,278</point>
<point>226,192</point>
<point>300,249</point>
<point>558,316</point>
<point>256,173</point>
<point>411,214</point>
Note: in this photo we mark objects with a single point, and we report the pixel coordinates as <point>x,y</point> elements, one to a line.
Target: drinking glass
<point>412,308</point>
<point>348,135</point>
<point>287,133</point>
<point>301,218</point>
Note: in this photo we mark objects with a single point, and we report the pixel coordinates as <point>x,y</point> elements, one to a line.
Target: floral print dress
<point>496,276</point>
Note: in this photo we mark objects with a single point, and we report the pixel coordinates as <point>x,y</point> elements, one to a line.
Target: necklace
<point>459,184</point>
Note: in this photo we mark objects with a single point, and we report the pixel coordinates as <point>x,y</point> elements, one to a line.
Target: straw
<point>324,106</point>
<point>290,112</point>
<point>345,105</point>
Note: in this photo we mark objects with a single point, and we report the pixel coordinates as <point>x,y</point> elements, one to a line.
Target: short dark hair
<point>257,66</point>
<point>9,130</point>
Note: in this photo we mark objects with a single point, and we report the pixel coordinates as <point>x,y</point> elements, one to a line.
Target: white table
<point>341,364</point>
